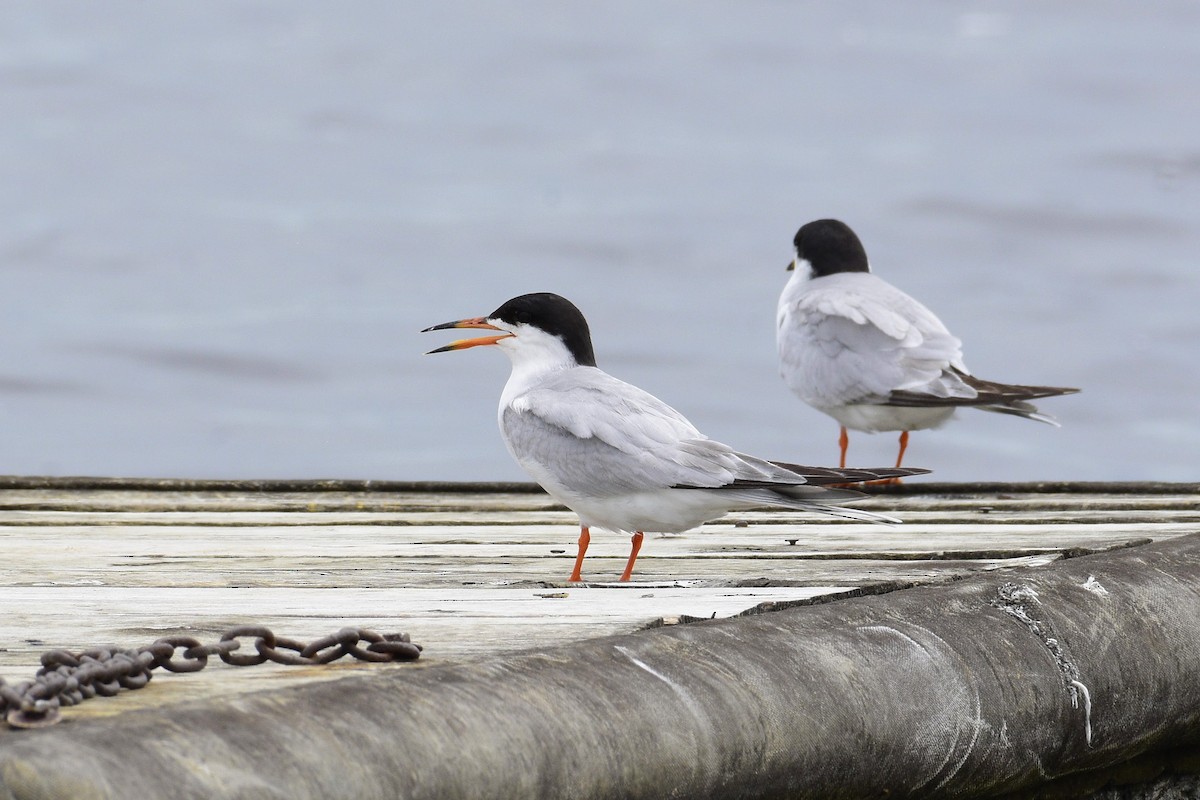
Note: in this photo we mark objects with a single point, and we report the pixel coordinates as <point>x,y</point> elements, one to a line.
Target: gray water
<point>224,224</point>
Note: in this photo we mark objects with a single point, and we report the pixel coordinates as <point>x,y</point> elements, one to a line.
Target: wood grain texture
<point>472,572</point>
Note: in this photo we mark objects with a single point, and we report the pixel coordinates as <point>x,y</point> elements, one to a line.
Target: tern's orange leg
<point>637,546</point>
<point>899,459</point>
<point>844,443</point>
<point>585,538</point>
<point>903,447</point>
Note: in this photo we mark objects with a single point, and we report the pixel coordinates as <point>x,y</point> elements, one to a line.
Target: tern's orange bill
<point>463,344</point>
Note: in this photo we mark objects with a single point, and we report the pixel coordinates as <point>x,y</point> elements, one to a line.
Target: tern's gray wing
<point>852,337</point>
<point>589,432</point>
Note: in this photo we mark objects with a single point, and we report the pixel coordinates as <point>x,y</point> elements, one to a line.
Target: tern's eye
<point>524,317</point>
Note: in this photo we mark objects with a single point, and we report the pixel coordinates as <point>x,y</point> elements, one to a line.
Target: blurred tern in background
<point>855,347</point>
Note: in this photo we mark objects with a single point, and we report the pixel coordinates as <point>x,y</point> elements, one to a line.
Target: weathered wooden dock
<point>475,572</point>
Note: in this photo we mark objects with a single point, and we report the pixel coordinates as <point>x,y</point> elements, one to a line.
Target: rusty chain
<point>66,679</point>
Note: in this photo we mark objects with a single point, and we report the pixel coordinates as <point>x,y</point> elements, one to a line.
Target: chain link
<point>66,679</point>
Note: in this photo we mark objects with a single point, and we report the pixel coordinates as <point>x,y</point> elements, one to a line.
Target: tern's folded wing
<point>585,424</point>
<point>857,340</point>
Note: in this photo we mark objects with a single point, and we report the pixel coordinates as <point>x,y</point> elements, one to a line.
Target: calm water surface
<point>224,224</point>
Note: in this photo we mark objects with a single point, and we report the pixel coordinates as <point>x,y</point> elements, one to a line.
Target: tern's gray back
<point>588,433</point>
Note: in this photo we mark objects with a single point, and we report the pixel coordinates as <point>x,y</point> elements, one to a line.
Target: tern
<point>617,456</point>
<point>855,347</point>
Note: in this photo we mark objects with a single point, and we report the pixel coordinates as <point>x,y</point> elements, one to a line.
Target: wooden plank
<point>472,573</point>
<point>975,688</point>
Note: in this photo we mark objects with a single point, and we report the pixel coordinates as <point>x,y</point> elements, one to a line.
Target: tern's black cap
<point>555,315</point>
<point>830,246</point>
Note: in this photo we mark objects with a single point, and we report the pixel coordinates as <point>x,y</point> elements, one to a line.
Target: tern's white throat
<point>533,353</point>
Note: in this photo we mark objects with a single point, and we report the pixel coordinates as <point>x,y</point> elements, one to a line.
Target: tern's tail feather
<point>855,513</point>
<point>823,476</point>
<point>1018,408</point>
<point>1002,398</point>
<point>809,498</point>
<point>991,391</point>
<point>850,513</point>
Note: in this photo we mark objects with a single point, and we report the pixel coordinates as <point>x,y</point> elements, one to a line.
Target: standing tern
<point>855,347</point>
<point>617,456</point>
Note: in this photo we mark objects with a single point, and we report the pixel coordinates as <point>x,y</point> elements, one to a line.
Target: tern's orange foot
<point>883,482</point>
